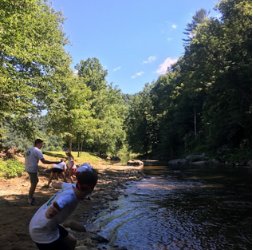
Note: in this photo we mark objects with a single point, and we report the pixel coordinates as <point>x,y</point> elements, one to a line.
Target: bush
<point>11,168</point>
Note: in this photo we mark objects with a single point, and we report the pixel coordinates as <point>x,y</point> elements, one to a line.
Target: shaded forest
<point>202,104</point>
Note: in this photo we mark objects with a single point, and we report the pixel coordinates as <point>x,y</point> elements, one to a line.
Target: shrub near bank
<point>11,168</point>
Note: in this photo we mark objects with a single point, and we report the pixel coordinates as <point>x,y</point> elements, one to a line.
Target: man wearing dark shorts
<point>32,157</point>
<point>58,244</point>
<point>58,170</point>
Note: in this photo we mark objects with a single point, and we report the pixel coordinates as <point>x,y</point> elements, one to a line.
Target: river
<point>181,209</point>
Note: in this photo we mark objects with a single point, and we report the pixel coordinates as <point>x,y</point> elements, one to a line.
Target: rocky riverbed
<point>16,213</point>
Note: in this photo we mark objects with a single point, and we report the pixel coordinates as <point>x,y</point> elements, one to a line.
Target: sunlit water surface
<point>181,209</point>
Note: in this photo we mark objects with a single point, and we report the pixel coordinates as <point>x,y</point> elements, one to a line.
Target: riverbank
<point>16,213</point>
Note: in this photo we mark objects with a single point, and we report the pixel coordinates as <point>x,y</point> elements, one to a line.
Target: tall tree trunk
<point>78,144</point>
<point>195,122</point>
<point>70,145</point>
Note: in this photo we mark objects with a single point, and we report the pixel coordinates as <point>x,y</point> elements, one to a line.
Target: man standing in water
<point>32,157</point>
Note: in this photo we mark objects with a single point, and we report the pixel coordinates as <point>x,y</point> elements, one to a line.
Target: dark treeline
<point>202,104</point>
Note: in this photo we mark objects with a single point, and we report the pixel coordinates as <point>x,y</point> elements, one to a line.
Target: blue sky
<point>135,40</point>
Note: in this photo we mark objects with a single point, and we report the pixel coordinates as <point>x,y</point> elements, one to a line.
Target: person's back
<point>40,229</point>
<point>32,157</point>
<point>44,227</point>
<point>62,165</point>
<point>58,170</point>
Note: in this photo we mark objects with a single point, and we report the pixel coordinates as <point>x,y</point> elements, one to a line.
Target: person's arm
<point>60,202</point>
<point>53,210</point>
<point>43,160</point>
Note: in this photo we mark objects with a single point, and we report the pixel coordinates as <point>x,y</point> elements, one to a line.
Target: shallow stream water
<point>181,209</point>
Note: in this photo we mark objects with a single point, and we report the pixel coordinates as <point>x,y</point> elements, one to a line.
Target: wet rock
<point>135,163</point>
<point>196,157</point>
<point>115,158</point>
<point>110,186</point>
<point>214,162</point>
<point>83,248</point>
<point>99,238</point>
<point>178,162</point>
<point>200,163</point>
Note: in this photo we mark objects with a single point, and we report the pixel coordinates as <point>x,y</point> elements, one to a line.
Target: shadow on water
<point>182,209</point>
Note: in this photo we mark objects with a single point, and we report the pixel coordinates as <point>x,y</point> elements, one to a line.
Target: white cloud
<point>117,69</point>
<point>174,26</point>
<point>150,59</point>
<point>163,68</point>
<point>138,74</point>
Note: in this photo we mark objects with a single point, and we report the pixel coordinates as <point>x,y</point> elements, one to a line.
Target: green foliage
<point>139,122</point>
<point>235,155</point>
<point>92,73</point>
<point>32,62</point>
<point>103,132</point>
<point>11,168</point>
<point>204,101</point>
<point>52,142</point>
<point>190,31</point>
<point>110,111</point>
<point>70,114</point>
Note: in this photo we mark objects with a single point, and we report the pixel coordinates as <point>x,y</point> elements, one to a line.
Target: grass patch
<point>83,157</point>
<point>14,168</point>
<point>11,168</point>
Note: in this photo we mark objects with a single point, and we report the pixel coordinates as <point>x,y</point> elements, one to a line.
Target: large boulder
<point>196,157</point>
<point>178,163</point>
<point>134,163</point>
<point>200,163</point>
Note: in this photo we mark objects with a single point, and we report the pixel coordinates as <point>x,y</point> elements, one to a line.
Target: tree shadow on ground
<point>16,214</point>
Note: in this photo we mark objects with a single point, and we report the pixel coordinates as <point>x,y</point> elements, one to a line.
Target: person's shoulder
<point>67,196</point>
<point>30,148</point>
<point>66,185</point>
<point>38,152</point>
<point>37,149</point>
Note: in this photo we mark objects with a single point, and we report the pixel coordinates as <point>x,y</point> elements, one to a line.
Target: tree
<point>199,18</point>
<point>108,109</point>
<point>32,58</point>
<point>204,102</point>
<point>70,114</point>
<point>92,73</point>
<point>139,122</point>
<point>227,110</point>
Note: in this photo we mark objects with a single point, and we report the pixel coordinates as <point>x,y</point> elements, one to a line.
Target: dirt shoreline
<point>16,213</point>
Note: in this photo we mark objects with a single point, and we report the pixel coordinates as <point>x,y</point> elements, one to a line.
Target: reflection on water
<point>190,209</point>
